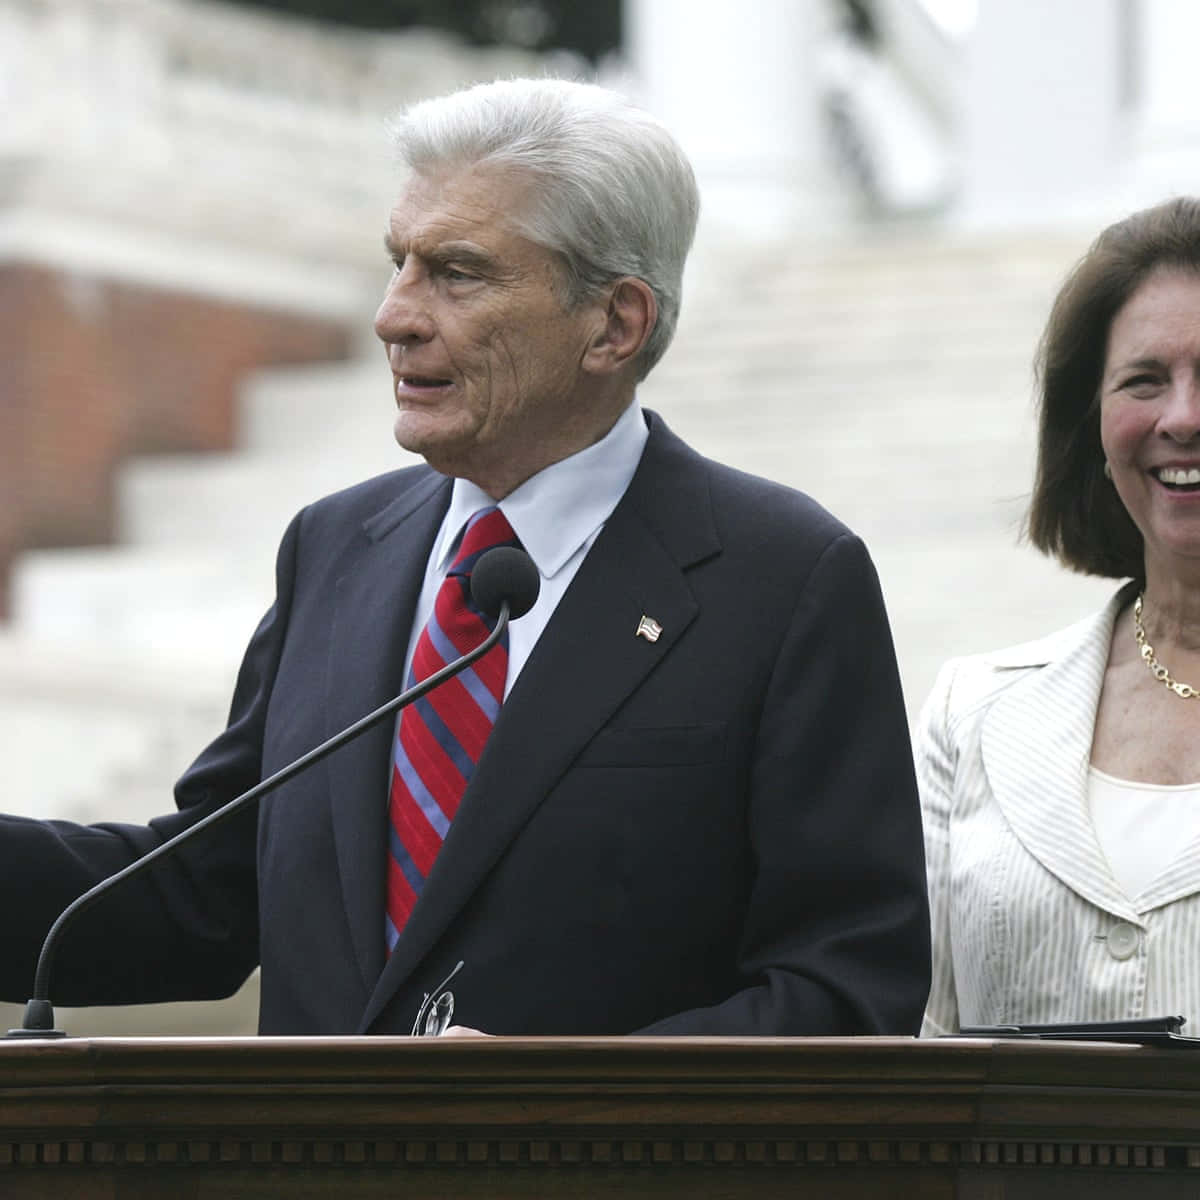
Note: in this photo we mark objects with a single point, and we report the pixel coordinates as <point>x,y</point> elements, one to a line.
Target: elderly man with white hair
<point>676,798</point>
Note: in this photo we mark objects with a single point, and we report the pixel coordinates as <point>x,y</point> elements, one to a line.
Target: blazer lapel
<point>1036,744</point>
<point>374,605</point>
<point>585,664</point>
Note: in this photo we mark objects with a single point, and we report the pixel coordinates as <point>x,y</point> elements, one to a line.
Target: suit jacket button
<point>1122,940</point>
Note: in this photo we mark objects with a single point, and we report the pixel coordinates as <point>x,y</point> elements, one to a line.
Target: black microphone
<point>505,583</point>
<point>505,576</point>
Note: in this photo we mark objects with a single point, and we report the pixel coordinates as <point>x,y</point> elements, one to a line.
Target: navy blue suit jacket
<point>714,833</point>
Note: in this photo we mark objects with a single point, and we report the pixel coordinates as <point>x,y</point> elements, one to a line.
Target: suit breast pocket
<point>656,746</point>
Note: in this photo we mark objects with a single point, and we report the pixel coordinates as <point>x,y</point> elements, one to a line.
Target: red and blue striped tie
<point>442,735</point>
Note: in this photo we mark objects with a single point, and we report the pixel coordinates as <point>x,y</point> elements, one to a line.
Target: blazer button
<point>1122,940</point>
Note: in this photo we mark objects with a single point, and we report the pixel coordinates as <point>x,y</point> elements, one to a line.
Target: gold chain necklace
<point>1184,690</point>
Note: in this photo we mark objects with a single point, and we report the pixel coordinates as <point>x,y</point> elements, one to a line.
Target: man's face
<point>485,357</point>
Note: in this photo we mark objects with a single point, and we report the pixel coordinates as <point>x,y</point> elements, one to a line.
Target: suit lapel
<point>374,605</point>
<point>1036,745</point>
<point>587,662</point>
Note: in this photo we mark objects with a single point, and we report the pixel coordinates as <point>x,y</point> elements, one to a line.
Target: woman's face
<point>1150,417</point>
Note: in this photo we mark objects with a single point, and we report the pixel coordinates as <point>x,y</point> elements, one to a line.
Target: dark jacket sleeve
<point>836,934</point>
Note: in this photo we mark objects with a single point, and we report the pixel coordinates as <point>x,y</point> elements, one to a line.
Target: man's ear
<point>629,319</point>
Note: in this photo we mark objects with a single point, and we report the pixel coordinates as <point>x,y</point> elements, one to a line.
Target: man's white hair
<point>613,194</point>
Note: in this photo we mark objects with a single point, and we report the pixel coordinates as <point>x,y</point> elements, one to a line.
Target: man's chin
<point>444,449</point>
<point>424,433</point>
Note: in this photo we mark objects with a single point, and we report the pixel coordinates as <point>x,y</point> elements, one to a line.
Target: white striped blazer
<point>1029,924</point>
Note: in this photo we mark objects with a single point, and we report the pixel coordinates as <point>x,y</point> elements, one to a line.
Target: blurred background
<point>192,201</point>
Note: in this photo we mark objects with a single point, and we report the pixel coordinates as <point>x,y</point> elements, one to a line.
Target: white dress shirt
<point>557,514</point>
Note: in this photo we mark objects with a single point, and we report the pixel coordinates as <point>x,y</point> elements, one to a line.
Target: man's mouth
<point>1178,479</point>
<point>423,381</point>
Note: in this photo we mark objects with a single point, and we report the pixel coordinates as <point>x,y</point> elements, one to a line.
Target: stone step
<point>131,709</point>
<point>944,254</point>
<point>991,301</point>
<point>93,730</point>
<point>240,502</point>
<point>201,575</point>
<point>185,610</point>
<point>966,596</point>
<point>803,425</point>
<point>344,410</point>
<point>245,501</point>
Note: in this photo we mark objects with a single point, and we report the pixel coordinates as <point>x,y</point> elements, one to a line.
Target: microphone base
<point>39,1022</point>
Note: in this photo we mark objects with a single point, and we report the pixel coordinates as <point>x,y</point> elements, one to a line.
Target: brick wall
<point>93,370</point>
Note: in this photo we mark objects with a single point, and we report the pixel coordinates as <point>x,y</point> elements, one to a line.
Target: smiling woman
<point>1061,780</point>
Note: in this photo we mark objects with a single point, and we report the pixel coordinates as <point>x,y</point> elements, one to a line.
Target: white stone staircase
<point>889,377</point>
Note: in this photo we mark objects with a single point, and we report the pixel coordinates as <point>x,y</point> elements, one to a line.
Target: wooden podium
<point>634,1117</point>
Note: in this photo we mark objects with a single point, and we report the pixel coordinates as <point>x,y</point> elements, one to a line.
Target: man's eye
<point>453,273</point>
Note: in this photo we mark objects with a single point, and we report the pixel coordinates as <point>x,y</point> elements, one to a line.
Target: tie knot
<point>485,530</point>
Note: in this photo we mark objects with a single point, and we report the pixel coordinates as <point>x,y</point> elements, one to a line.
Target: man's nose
<point>403,314</point>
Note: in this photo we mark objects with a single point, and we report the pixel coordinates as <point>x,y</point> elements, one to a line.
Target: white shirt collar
<point>563,506</point>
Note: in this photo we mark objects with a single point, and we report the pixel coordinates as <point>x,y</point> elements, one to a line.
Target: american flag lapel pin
<point>649,629</point>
